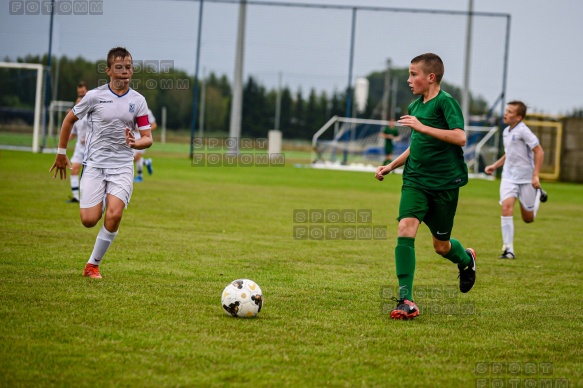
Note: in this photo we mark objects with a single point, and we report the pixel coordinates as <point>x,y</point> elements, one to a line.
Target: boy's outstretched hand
<point>381,172</point>
<point>489,170</point>
<point>61,164</point>
<point>130,138</point>
<point>411,122</point>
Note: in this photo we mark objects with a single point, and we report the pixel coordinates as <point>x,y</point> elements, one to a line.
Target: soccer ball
<point>242,298</point>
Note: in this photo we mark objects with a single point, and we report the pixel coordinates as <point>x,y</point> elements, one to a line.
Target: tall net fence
<point>307,49</point>
<point>311,49</point>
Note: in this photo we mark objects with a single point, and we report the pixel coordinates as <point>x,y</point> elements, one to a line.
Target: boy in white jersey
<point>79,131</point>
<point>139,159</point>
<point>522,160</point>
<point>112,111</point>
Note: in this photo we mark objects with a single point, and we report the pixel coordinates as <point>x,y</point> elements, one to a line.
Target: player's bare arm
<point>145,141</point>
<point>456,136</point>
<point>62,161</point>
<point>494,166</point>
<point>398,162</point>
<point>538,162</point>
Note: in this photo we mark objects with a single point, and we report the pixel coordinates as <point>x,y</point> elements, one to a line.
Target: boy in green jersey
<point>390,134</point>
<point>433,173</point>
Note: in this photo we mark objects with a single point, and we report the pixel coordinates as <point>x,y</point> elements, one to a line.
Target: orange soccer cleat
<point>405,309</point>
<point>92,271</point>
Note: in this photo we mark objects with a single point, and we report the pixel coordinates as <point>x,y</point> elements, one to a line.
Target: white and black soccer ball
<point>242,298</point>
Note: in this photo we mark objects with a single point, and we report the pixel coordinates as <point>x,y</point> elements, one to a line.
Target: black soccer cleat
<point>467,275</point>
<point>543,195</point>
<point>507,255</point>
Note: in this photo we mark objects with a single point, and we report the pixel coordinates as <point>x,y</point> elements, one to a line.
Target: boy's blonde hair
<point>431,63</point>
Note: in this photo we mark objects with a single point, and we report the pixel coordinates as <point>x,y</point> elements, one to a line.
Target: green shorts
<point>434,207</point>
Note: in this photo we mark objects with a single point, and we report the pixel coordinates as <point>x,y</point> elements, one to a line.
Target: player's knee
<point>528,219</point>
<point>406,230</point>
<point>89,222</point>
<point>90,216</point>
<point>114,215</point>
<point>441,249</point>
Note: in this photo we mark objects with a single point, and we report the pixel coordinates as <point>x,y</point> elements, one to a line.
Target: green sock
<point>405,263</point>
<point>457,254</point>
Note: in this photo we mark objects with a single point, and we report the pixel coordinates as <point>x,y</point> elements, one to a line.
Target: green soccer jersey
<point>389,142</point>
<point>390,131</point>
<point>434,164</point>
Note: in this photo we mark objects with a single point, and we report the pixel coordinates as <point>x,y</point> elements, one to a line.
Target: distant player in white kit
<point>139,159</point>
<point>79,131</point>
<point>112,111</point>
<point>522,160</point>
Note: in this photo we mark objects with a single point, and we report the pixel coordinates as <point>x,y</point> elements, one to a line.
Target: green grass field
<point>155,318</point>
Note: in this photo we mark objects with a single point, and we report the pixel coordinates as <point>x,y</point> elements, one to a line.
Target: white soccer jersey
<point>518,144</point>
<point>108,116</point>
<point>80,129</point>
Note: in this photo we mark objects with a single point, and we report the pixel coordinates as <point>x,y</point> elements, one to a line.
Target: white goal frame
<point>38,97</point>
<point>57,106</point>
<point>341,125</point>
<point>477,154</point>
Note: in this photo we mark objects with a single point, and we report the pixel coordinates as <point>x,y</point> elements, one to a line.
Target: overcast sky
<point>310,47</point>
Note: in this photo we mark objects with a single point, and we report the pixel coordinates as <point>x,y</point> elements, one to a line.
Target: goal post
<point>57,108</point>
<point>481,150</point>
<point>36,132</point>
<point>550,134</point>
<point>348,141</point>
<point>356,145</point>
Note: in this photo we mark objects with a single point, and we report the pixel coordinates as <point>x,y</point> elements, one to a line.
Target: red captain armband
<point>142,121</point>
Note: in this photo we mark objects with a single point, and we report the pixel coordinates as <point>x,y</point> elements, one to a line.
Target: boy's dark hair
<point>431,63</point>
<point>520,107</point>
<point>117,52</point>
<point>82,84</point>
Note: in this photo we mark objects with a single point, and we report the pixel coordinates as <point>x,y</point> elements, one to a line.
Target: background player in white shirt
<point>522,160</point>
<point>79,131</point>
<point>139,159</point>
<point>112,110</point>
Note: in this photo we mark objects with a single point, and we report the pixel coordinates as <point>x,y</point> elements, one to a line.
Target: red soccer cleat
<point>92,271</point>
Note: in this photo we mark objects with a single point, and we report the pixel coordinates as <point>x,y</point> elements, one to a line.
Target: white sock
<point>536,202</point>
<point>75,186</point>
<point>140,166</point>
<point>508,232</point>
<point>102,243</point>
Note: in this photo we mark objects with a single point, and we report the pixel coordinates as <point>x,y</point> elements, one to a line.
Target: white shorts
<point>525,193</point>
<point>96,183</point>
<point>78,154</point>
<point>142,152</point>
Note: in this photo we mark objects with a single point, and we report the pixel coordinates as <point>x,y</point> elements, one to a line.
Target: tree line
<point>301,113</point>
